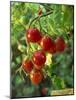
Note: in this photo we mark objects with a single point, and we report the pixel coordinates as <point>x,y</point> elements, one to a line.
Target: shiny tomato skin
<point>33,35</point>
<point>27,65</point>
<point>36,77</point>
<point>46,43</point>
<point>39,59</point>
<point>60,44</point>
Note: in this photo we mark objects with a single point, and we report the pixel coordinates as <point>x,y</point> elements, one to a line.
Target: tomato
<point>33,35</point>
<point>36,76</point>
<point>53,48</point>
<point>39,59</point>
<point>44,91</point>
<point>60,44</point>
<point>46,43</point>
<point>27,65</point>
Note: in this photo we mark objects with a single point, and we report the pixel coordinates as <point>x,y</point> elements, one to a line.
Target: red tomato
<point>53,48</point>
<point>39,59</point>
<point>33,35</point>
<point>60,44</point>
<point>44,91</point>
<point>46,43</point>
<point>36,76</point>
<point>27,65</point>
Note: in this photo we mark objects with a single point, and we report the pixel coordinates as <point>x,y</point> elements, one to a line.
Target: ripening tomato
<point>36,77</point>
<point>33,35</point>
<point>46,43</point>
<point>44,91</point>
<point>27,65</point>
<point>39,59</point>
<point>60,44</point>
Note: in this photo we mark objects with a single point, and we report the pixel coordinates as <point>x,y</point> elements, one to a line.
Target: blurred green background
<point>59,23</point>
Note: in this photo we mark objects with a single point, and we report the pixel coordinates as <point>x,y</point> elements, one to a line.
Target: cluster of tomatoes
<point>35,65</point>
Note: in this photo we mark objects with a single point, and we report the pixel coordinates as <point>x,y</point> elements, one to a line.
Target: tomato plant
<point>41,61</point>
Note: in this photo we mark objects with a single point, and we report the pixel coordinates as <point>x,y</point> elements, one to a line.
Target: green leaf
<point>58,83</point>
<point>22,48</point>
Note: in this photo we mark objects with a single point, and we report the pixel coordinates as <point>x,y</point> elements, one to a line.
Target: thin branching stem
<point>48,13</point>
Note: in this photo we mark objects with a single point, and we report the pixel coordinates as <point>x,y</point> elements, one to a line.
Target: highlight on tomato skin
<point>60,44</point>
<point>36,77</point>
<point>27,65</point>
<point>33,35</point>
<point>39,59</point>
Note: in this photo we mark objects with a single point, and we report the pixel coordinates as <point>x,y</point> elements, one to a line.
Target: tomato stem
<point>44,15</point>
